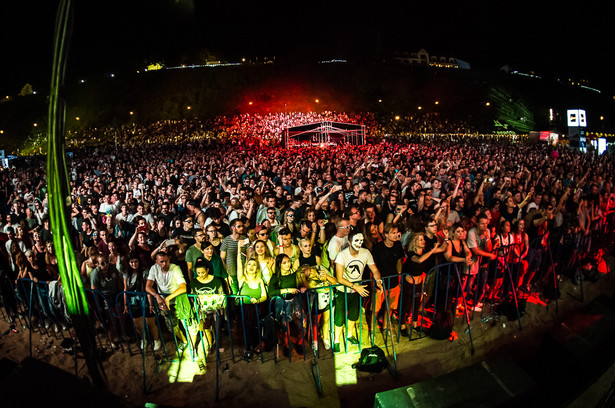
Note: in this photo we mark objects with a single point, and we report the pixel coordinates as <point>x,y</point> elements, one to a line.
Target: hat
<point>259,228</point>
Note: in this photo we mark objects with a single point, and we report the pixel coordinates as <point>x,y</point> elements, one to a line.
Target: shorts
<point>347,305</point>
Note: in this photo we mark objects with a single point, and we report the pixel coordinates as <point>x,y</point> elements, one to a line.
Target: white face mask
<point>357,242</point>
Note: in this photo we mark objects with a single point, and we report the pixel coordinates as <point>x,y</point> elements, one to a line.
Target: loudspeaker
<point>494,382</point>
<point>574,353</point>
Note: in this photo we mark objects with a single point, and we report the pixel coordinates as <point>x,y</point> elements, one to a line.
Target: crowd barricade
<point>105,312</point>
<point>256,329</point>
<point>39,306</point>
<point>247,318</point>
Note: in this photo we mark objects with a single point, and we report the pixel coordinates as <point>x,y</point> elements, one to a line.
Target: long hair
<point>278,264</point>
<point>140,279</point>
<point>267,254</point>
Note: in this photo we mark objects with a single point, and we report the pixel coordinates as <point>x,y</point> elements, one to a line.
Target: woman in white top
<point>265,260</point>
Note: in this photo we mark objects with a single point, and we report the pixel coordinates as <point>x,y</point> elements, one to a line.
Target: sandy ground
<point>291,384</point>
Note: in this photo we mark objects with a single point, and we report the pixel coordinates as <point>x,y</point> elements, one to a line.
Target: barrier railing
<point>258,329</point>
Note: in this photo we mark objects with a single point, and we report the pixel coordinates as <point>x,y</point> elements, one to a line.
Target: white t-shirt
<point>353,266</point>
<point>475,240</point>
<point>336,244</point>
<point>167,282</point>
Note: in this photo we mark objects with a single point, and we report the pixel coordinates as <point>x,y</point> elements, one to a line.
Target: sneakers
<point>143,344</point>
<point>336,347</point>
<point>315,345</point>
<point>157,345</point>
<point>201,366</point>
<point>478,307</point>
<point>327,344</point>
<point>353,340</point>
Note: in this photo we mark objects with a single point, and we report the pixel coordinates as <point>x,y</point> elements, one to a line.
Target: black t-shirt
<point>386,259</point>
<point>533,231</point>
<point>215,286</point>
<point>507,215</point>
<point>87,239</point>
<point>429,244</point>
<point>414,268</point>
<point>186,236</point>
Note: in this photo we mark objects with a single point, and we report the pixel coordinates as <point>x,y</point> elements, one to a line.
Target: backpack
<point>372,360</point>
<point>269,332</point>
<point>509,308</point>
<point>442,326</point>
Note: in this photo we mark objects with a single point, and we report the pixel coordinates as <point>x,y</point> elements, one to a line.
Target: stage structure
<point>324,133</point>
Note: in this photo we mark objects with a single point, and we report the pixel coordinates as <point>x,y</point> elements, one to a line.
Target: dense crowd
<point>265,129</point>
<point>266,223</point>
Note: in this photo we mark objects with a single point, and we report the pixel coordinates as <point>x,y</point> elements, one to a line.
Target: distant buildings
<point>422,57</point>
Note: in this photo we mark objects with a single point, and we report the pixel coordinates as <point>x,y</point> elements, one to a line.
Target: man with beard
<point>165,214</point>
<point>228,251</point>
<point>195,251</point>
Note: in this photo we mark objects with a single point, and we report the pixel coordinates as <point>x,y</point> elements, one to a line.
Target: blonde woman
<point>253,291</point>
<point>306,256</point>
<point>415,270</point>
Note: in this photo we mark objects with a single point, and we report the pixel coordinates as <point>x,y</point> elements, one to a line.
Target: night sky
<point>114,36</point>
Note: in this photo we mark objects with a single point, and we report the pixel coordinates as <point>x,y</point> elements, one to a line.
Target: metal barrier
<point>257,329</point>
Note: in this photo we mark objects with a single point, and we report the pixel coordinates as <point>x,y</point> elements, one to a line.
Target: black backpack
<point>372,360</point>
<point>442,326</point>
<point>509,309</point>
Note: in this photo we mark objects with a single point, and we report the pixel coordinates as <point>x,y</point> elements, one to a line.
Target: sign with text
<point>577,118</point>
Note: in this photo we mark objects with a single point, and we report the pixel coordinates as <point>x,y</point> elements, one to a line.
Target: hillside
<point>346,87</point>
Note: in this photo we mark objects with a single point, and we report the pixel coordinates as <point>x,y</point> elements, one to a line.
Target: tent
<point>325,133</point>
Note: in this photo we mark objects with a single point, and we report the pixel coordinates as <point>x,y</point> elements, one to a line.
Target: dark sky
<point>114,35</point>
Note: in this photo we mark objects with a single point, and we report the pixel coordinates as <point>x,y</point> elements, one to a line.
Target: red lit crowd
<point>230,217</point>
<point>260,129</point>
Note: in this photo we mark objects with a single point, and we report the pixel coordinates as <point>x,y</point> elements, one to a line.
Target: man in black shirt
<point>388,255</point>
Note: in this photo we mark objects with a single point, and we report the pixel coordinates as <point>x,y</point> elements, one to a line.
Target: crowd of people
<point>347,223</point>
<point>260,129</point>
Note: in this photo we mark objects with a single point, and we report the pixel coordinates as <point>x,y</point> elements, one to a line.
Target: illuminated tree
<point>59,200</point>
